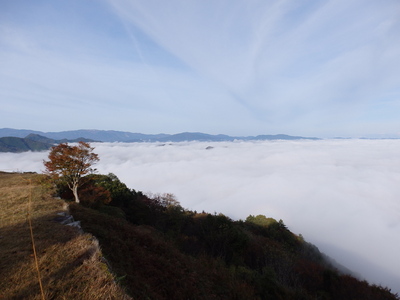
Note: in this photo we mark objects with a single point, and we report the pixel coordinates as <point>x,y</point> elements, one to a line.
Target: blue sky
<point>312,68</point>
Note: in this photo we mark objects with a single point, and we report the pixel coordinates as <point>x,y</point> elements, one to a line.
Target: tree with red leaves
<point>70,164</point>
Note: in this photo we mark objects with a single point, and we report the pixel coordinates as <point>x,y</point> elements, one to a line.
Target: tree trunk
<point>75,192</point>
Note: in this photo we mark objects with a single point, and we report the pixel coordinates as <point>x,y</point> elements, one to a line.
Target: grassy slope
<point>70,263</point>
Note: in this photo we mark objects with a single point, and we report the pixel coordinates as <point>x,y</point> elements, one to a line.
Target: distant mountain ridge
<point>123,136</point>
<point>16,144</point>
<point>32,142</point>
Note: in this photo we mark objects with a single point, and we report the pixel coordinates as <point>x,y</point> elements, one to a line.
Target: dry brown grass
<point>70,264</point>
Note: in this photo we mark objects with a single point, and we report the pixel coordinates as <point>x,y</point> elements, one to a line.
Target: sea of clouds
<point>341,195</point>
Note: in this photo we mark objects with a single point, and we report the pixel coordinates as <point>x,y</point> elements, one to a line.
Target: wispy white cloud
<point>238,67</point>
<point>101,90</point>
<point>98,92</point>
<point>283,58</point>
<point>341,195</point>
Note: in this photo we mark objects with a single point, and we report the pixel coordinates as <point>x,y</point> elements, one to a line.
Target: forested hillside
<point>159,250</point>
<point>152,248</point>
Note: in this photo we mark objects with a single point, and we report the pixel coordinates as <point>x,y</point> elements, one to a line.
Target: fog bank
<point>342,195</point>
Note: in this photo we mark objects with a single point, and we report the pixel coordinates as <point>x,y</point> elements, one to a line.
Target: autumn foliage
<point>70,164</point>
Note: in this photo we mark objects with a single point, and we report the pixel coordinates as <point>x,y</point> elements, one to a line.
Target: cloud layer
<point>342,195</point>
